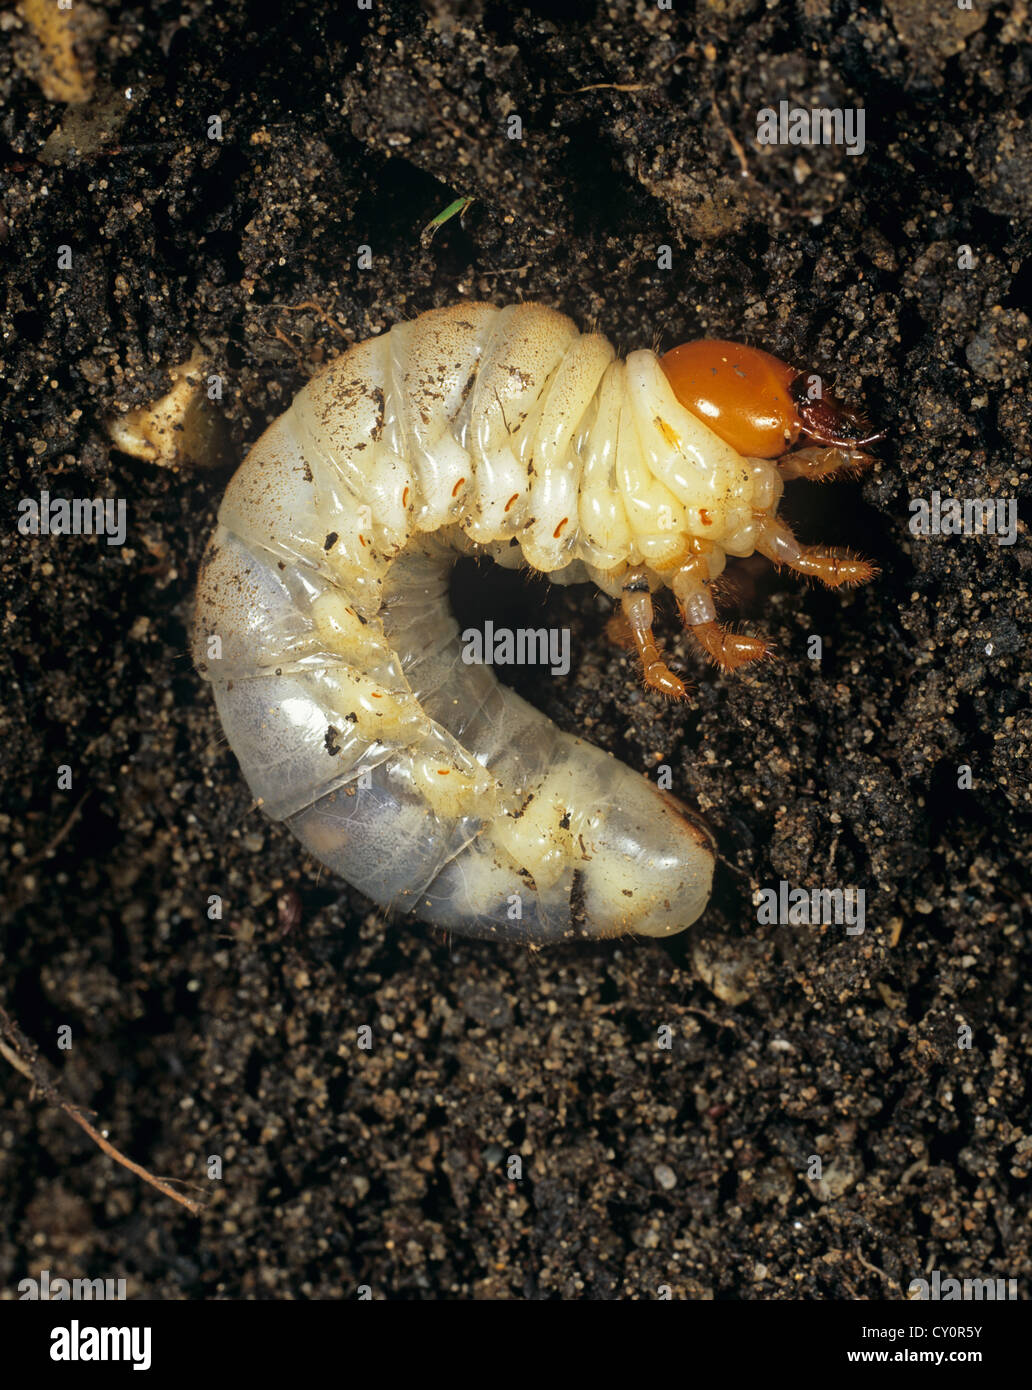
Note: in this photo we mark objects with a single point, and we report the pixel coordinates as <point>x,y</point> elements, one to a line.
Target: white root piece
<point>180,428</point>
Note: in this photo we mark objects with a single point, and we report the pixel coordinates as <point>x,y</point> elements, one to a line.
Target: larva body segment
<point>337,671</point>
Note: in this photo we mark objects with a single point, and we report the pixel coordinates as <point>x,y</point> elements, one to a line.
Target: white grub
<point>324,627</point>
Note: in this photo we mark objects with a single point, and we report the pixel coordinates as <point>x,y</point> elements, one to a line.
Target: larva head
<point>755,402</point>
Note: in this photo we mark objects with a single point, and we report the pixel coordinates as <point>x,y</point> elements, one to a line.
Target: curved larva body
<point>340,683</point>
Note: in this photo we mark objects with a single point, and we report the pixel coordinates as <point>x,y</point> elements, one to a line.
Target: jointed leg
<point>637,609</point>
<point>835,568</point>
<point>819,463</point>
<point>726,649</point>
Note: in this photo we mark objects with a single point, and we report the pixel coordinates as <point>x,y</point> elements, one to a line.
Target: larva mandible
<point>323,625</point>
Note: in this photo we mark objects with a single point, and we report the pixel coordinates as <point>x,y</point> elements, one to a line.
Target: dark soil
<point>642,1167</point>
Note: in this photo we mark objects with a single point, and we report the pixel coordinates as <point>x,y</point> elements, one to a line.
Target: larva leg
<point>834,568</point>
<point>817,464</point>
<point>728,649</point>
<point>637,609</point>
<point>725,649</point>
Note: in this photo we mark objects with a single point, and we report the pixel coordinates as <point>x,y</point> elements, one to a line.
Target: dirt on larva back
<point>641,1166</point>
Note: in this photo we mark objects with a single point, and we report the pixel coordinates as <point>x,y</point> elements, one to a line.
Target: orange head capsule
<point>755,402</point>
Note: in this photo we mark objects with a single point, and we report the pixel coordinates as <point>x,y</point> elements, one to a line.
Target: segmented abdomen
<point>463,418</point>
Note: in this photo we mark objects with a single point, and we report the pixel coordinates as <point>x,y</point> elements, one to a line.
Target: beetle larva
<point>324,627</point>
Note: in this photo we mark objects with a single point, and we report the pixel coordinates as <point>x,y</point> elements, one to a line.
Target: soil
<point>901,1056</point>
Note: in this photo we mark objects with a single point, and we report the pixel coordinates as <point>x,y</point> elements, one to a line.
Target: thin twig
<point>735,143</point>
<point>53,843</point>
<point>873,1269</point>
<point>23,1057</point>
<point>311,304</point>
<point>608,87</point>
<point>509,270</point>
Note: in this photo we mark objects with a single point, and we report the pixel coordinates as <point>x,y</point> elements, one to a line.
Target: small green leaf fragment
<point>458,208</point>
